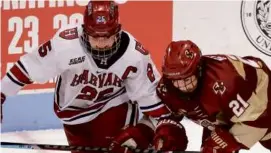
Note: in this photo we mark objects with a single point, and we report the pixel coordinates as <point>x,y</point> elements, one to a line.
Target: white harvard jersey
<point>84,89</point>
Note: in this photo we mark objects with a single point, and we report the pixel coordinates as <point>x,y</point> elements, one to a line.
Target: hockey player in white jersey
<point>103,73</point>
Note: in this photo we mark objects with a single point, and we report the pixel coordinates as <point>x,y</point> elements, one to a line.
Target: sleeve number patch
<point>45,48</point>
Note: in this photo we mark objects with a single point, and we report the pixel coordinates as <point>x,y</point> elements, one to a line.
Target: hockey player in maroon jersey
<point>228,95</point>
<point>101,69</point>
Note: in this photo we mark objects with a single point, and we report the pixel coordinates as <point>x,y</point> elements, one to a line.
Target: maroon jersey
<point>233,93</point>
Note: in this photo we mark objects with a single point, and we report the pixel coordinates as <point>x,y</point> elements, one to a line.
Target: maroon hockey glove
<point>221,141</point>
<point>3,98</point>
<point>139,136</point>
<point>169,136</point>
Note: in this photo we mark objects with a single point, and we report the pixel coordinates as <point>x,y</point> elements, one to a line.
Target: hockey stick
<point>75,148</point>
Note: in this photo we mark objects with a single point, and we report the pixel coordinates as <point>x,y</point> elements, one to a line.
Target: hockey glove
<point>139,136</point>
<point>169,136</point>
<point>221,141</point>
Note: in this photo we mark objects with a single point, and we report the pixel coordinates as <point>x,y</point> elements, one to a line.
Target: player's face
<point>188,84</point>
<point>102,43</point>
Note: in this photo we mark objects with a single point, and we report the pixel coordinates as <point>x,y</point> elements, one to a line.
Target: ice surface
<point>58,137</point>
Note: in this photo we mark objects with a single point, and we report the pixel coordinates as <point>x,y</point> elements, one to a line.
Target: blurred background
<point>229,27</point>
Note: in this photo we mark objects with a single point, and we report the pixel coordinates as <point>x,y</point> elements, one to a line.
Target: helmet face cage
<point>101,27</point>
<point>188,84</point>
<point>101,53</point>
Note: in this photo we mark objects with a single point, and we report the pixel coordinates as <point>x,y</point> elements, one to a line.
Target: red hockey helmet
<point>101,19</point>
<point>182,60</point>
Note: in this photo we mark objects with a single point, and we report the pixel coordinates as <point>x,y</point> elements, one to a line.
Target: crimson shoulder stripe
<point>20,75</point>
<point>22,66</point>
<point>14,80</point>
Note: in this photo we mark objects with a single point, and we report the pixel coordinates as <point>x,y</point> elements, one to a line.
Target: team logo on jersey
<point>101,80</point>
<point>256,22</point>
<point>77,60</point>
<point>219,88</point>
<point>69,34</point>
